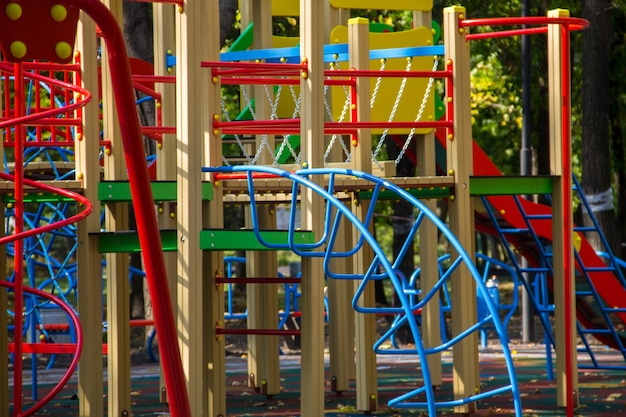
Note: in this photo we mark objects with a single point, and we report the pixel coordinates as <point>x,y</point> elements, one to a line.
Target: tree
<point>596,106</point>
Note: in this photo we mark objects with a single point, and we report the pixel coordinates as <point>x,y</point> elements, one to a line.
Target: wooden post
<point>429,275</point>
<point>341,326</point>
<point>312,129</point>
<point>366,376</point>
<point>461,214</point>
<point>262,299</point>
<point>164,41</point>
<point>200,304</point>
<point>116,218</point>
<point>562,223</point>
<point>88,259</point>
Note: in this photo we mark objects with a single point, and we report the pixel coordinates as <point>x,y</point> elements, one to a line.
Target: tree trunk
<point>596,155</point>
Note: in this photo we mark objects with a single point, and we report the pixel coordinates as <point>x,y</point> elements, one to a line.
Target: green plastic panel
<point>246,239</point>
<point>161,191</point>
<point>128,242</point>
<point>518,185</point>
<point>424,192</point>
<point>37,197</point>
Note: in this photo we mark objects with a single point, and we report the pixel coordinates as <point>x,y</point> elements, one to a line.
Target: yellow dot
<point>63,50</point>
<point>13,11</point>
<point>58,12</point>
<point>18,49</point>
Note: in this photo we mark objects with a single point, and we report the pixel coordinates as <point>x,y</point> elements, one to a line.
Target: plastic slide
<point>608,286</point>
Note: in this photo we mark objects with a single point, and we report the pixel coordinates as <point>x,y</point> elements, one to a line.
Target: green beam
<point>421,193</point>
<point>246,239</point>
<point>37,197</point>
<point>503,185</point>
<point>161,191</point>
<point>128,242</point>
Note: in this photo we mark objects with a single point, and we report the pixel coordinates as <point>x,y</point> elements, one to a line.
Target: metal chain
<point>429,87</point>
<point>237,137</point>
<point>392,115</point>
<point>383,64</point>
<point>285,143</point>
<point>344,111</point>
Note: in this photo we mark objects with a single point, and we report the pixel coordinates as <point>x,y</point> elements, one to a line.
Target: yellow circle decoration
<point>13,11</point>
<point>63,50</point>
<point>58,12</point>
<point>18,49</point>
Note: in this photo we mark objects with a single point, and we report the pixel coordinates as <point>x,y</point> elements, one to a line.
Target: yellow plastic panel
<point>286,8</point>
<point>414,90</point>
<point>420,5</point>
<point>286,104</point>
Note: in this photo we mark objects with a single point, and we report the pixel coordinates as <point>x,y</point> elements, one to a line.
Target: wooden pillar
<point>429,275</point>
<point>341,325</point>
<point>88,259</point>
<point>562,223</point>
<point>262,299</point>
<point>164,41</point>
<point>200,305</point>
<point>365,324</point>
<point>461,214</point>
<point>312,129</point>
<point>116,219</point>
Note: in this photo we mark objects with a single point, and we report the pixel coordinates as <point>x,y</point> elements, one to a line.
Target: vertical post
<point>200,304</point>
<point>18,246</point>
<point>528,310</point>
<point>459,161</point>
<point>311,131</point>
<point>88,258</point>
<point>262,299</point>
<point>116,218</point>
<point>164,41</point>
<point>426,166</point>
<point>4,332</point>
<point>341,326</point>
<point>562,222</point>
<point>429,275</point>
<point>367,393</point>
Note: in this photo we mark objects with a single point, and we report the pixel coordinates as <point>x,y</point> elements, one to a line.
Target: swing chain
<point>392,115</point>
<point>429,87</point>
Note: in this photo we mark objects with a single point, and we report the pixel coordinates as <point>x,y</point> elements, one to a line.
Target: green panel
<point>161,191</point>
<point>246,240</point>
<point>37,198</point>
<point>127,242</point>
<point>294,141</point>
<point>424,192</point>
<point>502,185</point>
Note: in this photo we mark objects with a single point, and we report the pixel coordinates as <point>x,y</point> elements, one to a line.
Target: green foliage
<point>496,112</point>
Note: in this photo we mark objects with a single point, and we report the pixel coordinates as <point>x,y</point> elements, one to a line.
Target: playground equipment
<point>336,203</point>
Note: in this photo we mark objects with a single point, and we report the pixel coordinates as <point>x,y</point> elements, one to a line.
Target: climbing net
<point>273,78</point>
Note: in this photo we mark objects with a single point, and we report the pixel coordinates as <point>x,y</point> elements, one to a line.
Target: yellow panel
<point>286,104</point>
<point>389,89</point>
<point>421,5</point>
<point>284,41</point>
<point>286,8</point>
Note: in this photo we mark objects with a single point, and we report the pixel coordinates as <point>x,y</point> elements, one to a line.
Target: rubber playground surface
<point>601,392</point>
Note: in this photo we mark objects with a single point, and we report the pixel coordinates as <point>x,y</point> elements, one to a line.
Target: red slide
<point>608,286</point>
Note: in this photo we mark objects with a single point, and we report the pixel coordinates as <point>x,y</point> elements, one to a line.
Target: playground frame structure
<point>191,334</point>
